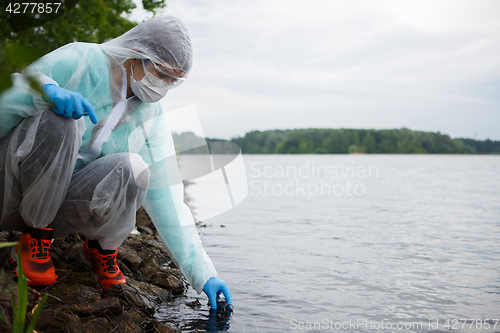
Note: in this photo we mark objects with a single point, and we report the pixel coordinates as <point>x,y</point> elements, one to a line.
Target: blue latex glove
<point>69,103</point>
<point>213,288</point>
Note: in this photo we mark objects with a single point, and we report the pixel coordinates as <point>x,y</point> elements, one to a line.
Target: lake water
<point>357,243</point>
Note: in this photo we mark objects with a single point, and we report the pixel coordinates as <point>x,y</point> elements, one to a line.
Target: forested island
<point>350,141</point>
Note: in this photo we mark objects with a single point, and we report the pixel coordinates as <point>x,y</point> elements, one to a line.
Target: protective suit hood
<point>164,40</point>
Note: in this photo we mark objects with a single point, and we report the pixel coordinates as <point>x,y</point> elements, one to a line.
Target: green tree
<point>343,141</point>
<point>306,146</point>
<point>370,144</point>
<point>273,139</point>
<point>336,142</point>
<point>291,143</point>
<point>93,21</point>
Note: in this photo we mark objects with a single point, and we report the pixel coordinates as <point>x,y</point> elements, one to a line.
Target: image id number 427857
<point>33,7</point>
<point>478,324</point>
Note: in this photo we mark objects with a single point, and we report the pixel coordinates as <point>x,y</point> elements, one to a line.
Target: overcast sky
<point>278,64</point>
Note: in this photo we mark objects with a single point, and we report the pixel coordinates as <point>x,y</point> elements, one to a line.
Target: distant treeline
<point>345,141</point>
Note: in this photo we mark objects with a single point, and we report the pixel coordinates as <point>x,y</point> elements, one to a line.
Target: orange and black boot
<point>104,263</point>
<point>35,256</point>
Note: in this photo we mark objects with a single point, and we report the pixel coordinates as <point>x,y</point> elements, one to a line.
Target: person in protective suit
<point>93,150</point>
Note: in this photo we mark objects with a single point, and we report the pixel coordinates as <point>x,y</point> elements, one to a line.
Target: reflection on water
<point>214,321</point>
<point>194,314</point>
<point>333,239</point>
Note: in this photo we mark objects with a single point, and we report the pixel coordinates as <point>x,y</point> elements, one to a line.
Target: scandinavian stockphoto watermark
<point>310,179</point>
<point>451,324</point>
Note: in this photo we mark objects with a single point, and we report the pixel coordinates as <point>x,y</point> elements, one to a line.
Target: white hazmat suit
<point>71,174</point>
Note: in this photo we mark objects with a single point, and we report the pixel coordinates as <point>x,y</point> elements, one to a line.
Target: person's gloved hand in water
<point>213,288</point>
<point>69,103</point>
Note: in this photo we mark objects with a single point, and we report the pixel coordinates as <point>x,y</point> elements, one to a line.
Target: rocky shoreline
<point>76,305</point>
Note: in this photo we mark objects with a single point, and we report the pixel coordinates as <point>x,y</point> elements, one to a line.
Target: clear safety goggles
<point>164,78</point>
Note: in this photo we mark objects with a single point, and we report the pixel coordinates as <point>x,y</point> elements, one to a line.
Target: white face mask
<point>147,90</point>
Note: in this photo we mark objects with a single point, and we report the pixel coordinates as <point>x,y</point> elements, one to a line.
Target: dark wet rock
<point>88,278</point>
<point>67,253</point>
<point>5,298</point>
<point>97,307</point>
<point>125,323</point>
<point>5,327</point>
<point>136,317</point>
<point>194,304</point>
<point>133,295</point>
<point>129,257</point>
<point>96,325</point>
<point>74,302</point>
<point>73,293</point>
<point>156,326</point>
<point>124,268</point>
<point>153,243</point>
<point>3,236</point>
<point>142,219</point>
<point>145,230</point>
<point>150,290</point>
<point>164,328</point>
<point>142,295</point>
<point>51,319</point>
<point>150,265</point>
<point>167,281</point>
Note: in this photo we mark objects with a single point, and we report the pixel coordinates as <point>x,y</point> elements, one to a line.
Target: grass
<point>20,303</point>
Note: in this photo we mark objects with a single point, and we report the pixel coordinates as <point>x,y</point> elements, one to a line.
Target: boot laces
<point>40,248</point>
<point>109,263</point>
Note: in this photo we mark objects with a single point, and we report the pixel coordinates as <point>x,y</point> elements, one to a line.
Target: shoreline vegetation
<point>344,141</point>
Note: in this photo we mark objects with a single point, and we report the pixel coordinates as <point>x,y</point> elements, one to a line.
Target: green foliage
<point>152,5</point>
<point>20,304</point>
<point>14,57</point>
<point>7,244</point>
<point>91,21</point>
<point>346,141</point>
<point>481,147</point>
<point>25,39</point>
